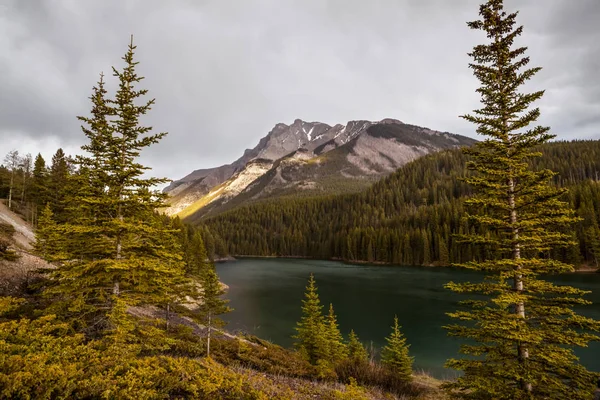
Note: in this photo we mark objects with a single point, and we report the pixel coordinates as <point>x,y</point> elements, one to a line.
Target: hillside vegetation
<point>126,302</point>
<point>409,217</point>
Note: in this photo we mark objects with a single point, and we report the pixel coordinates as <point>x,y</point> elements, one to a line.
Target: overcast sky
<point>225,72</point>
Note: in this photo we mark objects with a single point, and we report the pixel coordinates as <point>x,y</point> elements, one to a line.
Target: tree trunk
<point>23,189</point>
<point>518,279</point>
<point>10,190</point>
<point>208,335</point>
<point>168,316</point>
<point>116,288</point>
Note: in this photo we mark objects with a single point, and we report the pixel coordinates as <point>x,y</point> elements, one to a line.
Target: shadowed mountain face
<point>307,158</point>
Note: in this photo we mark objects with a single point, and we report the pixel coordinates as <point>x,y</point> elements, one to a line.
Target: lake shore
<point>586,269</point>
<point>266,295</point>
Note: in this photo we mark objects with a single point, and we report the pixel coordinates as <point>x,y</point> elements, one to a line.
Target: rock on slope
<point>307,158</point>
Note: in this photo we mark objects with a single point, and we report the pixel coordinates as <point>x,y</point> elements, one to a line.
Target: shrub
<point>353,392</point>
<point>262,356</point>
<point>5,252</point>
<point>375,375</point>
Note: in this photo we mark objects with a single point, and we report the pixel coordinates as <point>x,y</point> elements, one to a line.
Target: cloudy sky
<point>225,72</point>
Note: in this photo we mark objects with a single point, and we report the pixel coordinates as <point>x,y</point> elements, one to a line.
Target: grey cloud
<point>224,73</point>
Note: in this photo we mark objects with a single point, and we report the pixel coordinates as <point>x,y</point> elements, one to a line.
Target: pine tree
<point>48,239</point>
<point>197,259</point>
<point>336,347</point>
<point>592,236</point>
<point>444,257</point>
<point>39,186</point>
<point>394,354</point>
<point>524,330</point>
<point>121,253</point>
<point>213,305</point>
<point>356,350</point>
<point>58,187</point>
<point>311,341</point>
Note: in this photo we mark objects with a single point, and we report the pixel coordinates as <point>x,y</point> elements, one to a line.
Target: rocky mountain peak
<point>290,155</point>
<point>391,121</point>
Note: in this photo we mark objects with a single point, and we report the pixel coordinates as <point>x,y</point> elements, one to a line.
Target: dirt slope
<point>15,274</point>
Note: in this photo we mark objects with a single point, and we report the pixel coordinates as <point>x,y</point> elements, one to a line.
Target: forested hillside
<point>409,217</point>
<point>36,183</point>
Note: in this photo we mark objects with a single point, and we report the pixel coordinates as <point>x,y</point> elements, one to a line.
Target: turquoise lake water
<point>266,295</point>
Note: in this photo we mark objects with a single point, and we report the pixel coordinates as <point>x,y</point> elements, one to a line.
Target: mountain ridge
<point>308,156</point>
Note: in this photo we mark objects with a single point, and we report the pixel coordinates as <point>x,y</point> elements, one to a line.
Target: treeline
<point>28,185</point>
<point>410,217</point>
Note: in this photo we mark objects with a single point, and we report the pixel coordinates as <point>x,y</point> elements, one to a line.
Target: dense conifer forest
<point>409,217</point>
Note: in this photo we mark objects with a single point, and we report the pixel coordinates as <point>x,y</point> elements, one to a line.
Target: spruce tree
<point>310,337</point>
<point>592,236</point>
<point>394,354</point>
<point>58,185</point>
<point>356,350</point>
<point>523,328</point>
<point>120,252</point>
<point>195,255</point>
<point>213,305</point>
<point>49,242</point>
<point>39,186</point>
<point>336,347</point>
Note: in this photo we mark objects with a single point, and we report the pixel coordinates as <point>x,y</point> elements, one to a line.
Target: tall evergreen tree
<point>58,185</point>
<point>39,186</point>
<point>213,305</point>
<point>310,337</point>
<point>592,235</point>
<point>356,350</point>
<point>119,253</point>
<point>336,347</point>
<point>394,354</point>
<point>49,242</point>
<point>196,258</point>
<point>523,333</point>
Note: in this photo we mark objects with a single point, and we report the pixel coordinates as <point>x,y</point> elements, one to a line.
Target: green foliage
<point>521,329</point>
<point>212,304</point>
<point>311,339</point>
<point>39,194</point>
<point>356,350</point>
<point>41,359</point>
<point>6,253</point>
<point>394,354</point>
<point>337,348</point>
<point>371,374</point>
<point>115,251</point>
<point>195,255</point>
<point>423,199</point>
<point>262,356</point>
<point>6,233</point>
<point>58,186</point>
<point>48,239</point>
<point>353,392</point>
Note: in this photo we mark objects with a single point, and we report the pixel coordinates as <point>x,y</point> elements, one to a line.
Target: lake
<point>267,293</point>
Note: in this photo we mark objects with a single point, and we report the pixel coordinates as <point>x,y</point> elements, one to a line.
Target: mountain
<point>304,159</point>
<point>409,217</point>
